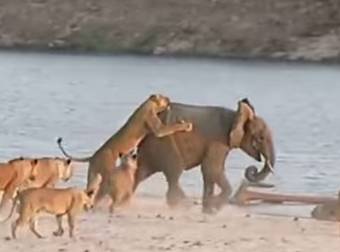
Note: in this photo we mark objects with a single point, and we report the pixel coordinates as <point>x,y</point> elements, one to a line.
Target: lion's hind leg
<point>20,222</point>
<point>32,225</point>
<point>60,230</point>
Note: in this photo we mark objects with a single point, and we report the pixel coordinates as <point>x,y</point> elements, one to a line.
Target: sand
<point>149,225</point>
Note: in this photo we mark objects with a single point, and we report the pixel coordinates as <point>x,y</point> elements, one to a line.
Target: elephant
<point>216,131</point>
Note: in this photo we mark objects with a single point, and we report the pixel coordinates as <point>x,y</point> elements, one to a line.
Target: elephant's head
<point>250,133</point>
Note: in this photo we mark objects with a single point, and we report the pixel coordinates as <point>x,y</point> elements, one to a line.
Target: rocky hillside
<point>289,29</point>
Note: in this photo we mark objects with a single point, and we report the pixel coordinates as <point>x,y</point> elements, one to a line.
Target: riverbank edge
<point>189,56</point>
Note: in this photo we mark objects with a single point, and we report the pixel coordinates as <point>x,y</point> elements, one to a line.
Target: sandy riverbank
<point>148,225</point>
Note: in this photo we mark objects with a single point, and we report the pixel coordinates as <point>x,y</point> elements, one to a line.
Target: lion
<point>57,201</point>
<point>143,121</point>
<point>13,175</point>
<point>50,170</point>
<point>122,180</point>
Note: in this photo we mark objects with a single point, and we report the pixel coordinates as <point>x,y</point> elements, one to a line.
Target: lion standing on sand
<point>143,121</point>
<point>57,201</point>
<point>122,180</point>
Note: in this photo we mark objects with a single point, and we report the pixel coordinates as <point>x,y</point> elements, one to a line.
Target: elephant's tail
<point>84,159</point>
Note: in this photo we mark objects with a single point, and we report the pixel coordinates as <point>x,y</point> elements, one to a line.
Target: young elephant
<point>122,180</point>
<point>59,202</point>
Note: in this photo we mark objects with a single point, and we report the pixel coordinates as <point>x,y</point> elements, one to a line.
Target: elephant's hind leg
<point>208,189</point>
<point>175,195</point>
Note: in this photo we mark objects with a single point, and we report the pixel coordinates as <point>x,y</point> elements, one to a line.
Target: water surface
<point>86,98</point>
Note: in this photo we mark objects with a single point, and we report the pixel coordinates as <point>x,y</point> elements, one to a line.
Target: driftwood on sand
<point>326,209</point>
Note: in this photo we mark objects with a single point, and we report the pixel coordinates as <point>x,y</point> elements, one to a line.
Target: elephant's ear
<point>245,112</point>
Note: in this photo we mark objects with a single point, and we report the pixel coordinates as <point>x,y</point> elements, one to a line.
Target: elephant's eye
<point>258,139</point>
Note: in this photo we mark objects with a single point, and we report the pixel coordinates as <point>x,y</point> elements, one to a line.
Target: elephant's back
<point>211,124</point>
<point>211,121</point>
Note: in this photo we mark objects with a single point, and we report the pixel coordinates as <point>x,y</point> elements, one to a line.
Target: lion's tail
<point>85,159</point>
<point>12,209</point>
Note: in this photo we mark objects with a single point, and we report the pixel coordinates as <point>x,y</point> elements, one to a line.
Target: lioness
<point>50,170</point>
<point>143,121</point>
<point>122,180</point>
<point>14,174</point>
<point>59,202</point>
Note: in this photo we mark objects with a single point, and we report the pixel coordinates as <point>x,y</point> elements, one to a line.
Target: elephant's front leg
<point>217,165</point>
<point>213,172</point>
<point>226,190</point>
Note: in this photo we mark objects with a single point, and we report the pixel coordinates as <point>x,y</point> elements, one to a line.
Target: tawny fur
<point>59,202</point>
<point>49,171</point>
<point>122,181</point>
<point>13,175</point>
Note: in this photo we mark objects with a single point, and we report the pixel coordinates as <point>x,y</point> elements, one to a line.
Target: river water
<point>86,98</point>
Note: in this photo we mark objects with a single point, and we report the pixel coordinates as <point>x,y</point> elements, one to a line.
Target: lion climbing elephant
<point>216,130</point>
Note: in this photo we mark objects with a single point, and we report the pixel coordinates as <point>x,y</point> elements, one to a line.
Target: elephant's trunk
<point>252,173</point>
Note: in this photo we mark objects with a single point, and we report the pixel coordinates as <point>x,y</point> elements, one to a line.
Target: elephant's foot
<point>179,202</point>
<point>175,196</point>
<point>209,206</point>
<point>219,201</point>
<point>208,210</point>
<point>184,203</point>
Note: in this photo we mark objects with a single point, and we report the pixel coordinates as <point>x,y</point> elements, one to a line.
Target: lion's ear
<point>34,162</point>
<point>246,101</point>
<point>90,193</point>
<point>245,112</point>
<point>154,97</point>
<point>68,161</point>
